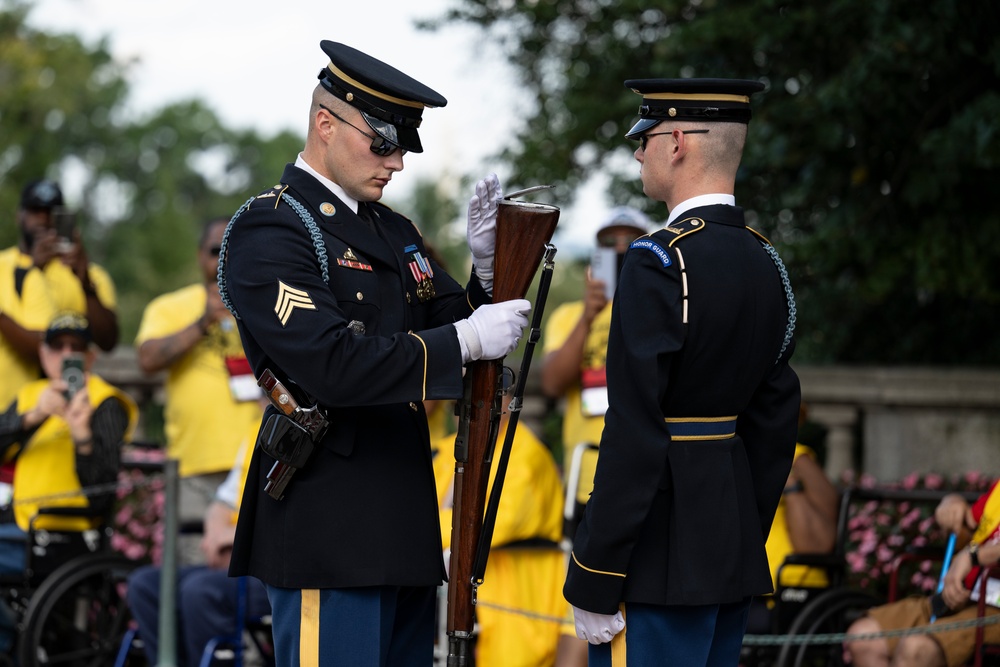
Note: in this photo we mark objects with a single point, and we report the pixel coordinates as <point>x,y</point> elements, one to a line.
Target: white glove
<point>597,628</point>
<point>482,227</point>
<point>494,330</point>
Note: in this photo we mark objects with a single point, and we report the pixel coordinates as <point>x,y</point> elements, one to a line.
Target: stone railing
<point>889,422</point>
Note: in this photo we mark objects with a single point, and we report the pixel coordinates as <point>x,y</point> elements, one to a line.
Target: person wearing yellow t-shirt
<point>521,597</point>
<point>211,392</point>
<point>66,438</point>
<point>74,283</point>
<point>26,305</point>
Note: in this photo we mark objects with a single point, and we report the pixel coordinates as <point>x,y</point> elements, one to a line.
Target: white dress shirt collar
<point>330,185</point>
<point>700,200</point>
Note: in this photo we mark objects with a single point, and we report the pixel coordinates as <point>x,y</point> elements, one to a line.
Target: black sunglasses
<point>215,251</point>
<point>380,145</point>
<point>644,138</point>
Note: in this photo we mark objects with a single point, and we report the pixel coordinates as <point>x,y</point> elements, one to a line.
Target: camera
<point>73,374</point>
<point>64,222</point>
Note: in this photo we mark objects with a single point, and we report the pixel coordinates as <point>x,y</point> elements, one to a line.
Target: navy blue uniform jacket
<point>361,343</point>
<point>699,319</point>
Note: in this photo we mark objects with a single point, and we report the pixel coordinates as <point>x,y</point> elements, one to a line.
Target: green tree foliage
<point>146,184</point>
<point>871,160</point>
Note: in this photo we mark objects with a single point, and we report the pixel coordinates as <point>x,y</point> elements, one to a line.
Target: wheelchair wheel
<point>78,616</point>
<point>829,612</point>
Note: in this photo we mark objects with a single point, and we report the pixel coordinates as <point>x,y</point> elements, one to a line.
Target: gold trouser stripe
<point>619,655</point>
<point>697,97</point>
<point>309,628</point>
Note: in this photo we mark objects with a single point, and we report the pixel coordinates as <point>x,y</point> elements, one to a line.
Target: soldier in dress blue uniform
<point>700,433</point>
<point>338,297</point>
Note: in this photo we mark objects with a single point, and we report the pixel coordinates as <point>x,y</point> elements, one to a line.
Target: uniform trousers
<point>675,636</point>
<point>379,626</point>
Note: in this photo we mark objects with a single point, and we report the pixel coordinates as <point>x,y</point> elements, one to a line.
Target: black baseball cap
<point>68,323</point>
<point>41,194</point>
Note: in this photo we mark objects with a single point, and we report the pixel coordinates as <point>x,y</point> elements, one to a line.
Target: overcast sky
<point>221,50</point>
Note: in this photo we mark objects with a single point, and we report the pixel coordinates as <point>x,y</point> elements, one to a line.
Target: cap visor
<point>404,137</point>
<point>642,127</point>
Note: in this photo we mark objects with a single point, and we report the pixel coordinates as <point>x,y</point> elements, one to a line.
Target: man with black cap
<point>336,295</point>
<point>700,430</point>
<point>74,282</point>
<point>25,302</point>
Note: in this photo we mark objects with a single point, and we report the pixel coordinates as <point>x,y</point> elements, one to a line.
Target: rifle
<point>523,231</point>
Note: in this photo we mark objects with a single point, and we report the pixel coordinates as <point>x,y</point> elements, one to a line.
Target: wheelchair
<point>807,613</point>
<point>70,599</point>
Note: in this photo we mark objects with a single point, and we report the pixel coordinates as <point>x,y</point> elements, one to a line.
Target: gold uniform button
<point>413,406</point>
<point>407,297</point>
<point>361,297</point>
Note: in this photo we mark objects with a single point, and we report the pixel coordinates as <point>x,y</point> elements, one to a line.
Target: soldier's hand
<point>494,330</point>
<point>597,628</point>
<point>482,225</point>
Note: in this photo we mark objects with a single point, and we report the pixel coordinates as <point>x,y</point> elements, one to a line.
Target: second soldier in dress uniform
<point>336,295</point>
<point>700,432</point>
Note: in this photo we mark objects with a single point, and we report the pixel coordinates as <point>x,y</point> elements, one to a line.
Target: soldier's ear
<point>324,123</point>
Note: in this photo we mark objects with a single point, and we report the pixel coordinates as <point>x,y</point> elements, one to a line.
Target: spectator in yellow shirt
<point>211,391</point>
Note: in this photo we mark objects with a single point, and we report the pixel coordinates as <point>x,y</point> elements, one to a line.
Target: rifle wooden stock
<point>522,231</point>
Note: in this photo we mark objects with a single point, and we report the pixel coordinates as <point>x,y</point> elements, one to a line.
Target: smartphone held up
<point>64,223</point>
<point>73,374</point>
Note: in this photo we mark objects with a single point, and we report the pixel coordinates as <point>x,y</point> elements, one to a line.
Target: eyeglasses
<point>644,139</point>
<point>380,146</point>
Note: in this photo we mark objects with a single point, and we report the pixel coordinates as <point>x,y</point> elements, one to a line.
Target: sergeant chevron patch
<point>289,299</point>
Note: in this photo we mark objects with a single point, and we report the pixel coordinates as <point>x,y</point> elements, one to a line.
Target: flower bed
<point>877,532</point>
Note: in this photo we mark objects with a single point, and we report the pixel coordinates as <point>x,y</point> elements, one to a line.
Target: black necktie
<point>366,215</point>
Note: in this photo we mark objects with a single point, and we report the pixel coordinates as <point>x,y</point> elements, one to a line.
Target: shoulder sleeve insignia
<point>685,227</point>
<point>289,299</point>
<point>654,247</point>
<point>759,235</point>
